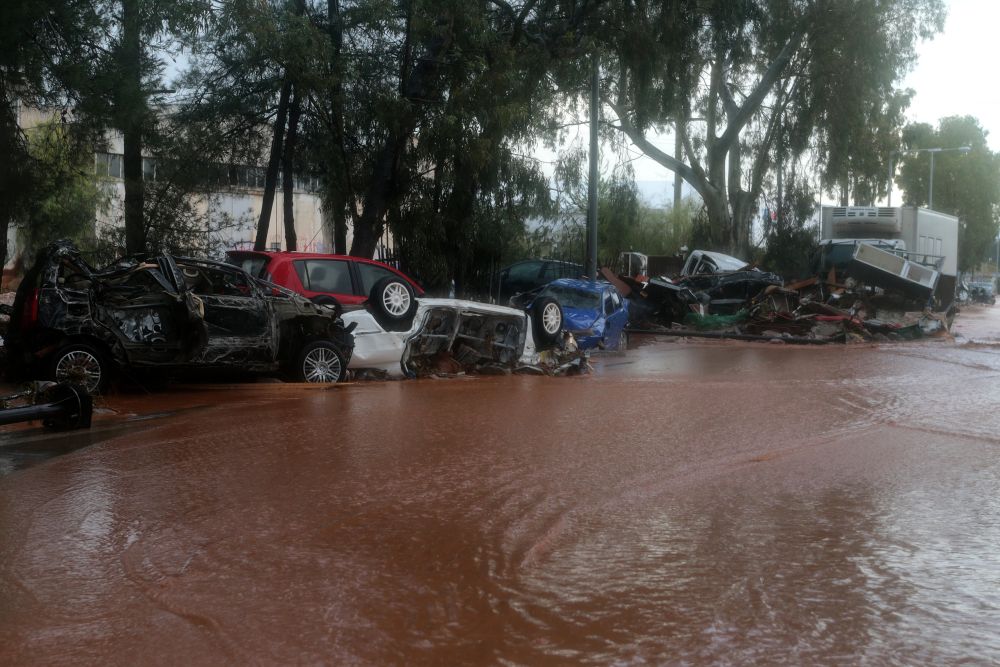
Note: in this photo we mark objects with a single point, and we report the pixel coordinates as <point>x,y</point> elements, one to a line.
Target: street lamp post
<point>933,152</point>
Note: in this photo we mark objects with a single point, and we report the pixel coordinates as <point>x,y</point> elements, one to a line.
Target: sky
<point>955,73</point>
<point>954,76</point>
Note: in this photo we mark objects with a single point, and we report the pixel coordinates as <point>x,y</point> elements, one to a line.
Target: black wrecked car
<point>71,322</point>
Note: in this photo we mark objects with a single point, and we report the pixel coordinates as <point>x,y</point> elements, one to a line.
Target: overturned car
<point>710,283</point>
<point>71,322</point>
<point>401,336</point>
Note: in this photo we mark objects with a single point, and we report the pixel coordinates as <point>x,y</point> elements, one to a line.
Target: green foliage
<point>790,239</point>
<point>420,114</point>
<point>44,59</point>
<point>624,223</point>
<point>65,195</point>
<point>748,84</point>
<point>966,185</point>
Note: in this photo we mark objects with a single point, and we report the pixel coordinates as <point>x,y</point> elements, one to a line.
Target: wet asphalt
<point>687,503</point>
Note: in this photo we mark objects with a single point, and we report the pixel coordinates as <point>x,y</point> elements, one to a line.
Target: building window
<point>108,164</point>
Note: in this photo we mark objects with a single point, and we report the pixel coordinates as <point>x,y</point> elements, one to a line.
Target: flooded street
<point>691,503</point>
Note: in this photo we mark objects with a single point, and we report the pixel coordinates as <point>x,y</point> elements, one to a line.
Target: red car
<point>319,276</point>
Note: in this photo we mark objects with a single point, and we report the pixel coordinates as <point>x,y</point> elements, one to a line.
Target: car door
<point>616,317</point>
<point>238,322</point>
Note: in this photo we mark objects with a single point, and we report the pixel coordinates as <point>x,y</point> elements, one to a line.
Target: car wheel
<point>393,301</point>
<point>321,362</point>
<point>80,364</point>
<point>547,318</point>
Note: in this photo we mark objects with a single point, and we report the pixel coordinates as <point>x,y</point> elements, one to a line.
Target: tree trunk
<point>273,162</point>
<point>340,188</point>
<point>132,112</point>
<point>386,183</point>
<point>288,172</point>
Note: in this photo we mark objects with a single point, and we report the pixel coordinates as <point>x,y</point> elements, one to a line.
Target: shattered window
<point>233,284</point>
<point>205,280</point>
<point>326,275</point>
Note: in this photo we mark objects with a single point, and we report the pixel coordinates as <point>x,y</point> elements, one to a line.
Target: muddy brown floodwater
<point>688,503</point>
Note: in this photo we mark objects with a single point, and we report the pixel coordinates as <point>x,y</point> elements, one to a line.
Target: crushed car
<point>709,283</point>
<point>73,323</point>
<point>398,335</point>
<point>595,313</point>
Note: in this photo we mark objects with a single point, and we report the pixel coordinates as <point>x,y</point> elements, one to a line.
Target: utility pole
<point>595,119</point>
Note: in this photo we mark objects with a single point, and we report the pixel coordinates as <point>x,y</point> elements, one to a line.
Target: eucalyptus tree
<point>499,89</point>
<point>139,36</point>
<point>965,184</point>
<point>744,82</point>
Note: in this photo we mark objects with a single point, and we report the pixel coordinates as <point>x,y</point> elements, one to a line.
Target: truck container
<point>918,235</point>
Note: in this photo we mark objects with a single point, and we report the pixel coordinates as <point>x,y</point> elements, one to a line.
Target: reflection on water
<point>706,503</point>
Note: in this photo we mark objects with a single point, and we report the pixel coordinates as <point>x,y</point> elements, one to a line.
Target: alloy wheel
<point>322,365</point>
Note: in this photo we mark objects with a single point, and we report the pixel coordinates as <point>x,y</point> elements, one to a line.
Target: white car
<point>398,333</point>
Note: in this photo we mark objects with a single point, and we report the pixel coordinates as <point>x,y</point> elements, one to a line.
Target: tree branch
<point>670,162</point>
<point>753,101</point>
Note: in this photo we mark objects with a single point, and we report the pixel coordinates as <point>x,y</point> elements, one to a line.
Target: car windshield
<point>571,297</point>
<point>727,263</point>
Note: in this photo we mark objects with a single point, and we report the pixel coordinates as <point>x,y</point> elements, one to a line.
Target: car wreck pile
<point>717,296</point>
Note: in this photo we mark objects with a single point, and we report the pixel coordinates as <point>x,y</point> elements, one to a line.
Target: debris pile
<point>750,304</point>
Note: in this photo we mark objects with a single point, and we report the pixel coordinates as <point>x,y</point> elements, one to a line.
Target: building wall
<point>241,199</point>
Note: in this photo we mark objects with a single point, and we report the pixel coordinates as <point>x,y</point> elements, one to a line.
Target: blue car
<point>595,313</point>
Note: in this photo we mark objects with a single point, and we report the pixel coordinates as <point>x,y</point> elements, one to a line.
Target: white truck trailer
<point>923,244</point>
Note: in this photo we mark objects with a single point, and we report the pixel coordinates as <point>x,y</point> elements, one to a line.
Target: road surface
<point>689,502</point>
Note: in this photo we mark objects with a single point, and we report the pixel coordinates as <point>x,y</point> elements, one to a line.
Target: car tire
<point>393,303</point>
<point>547,320</point>
<point>80,364</point>
<point>320,362</point>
